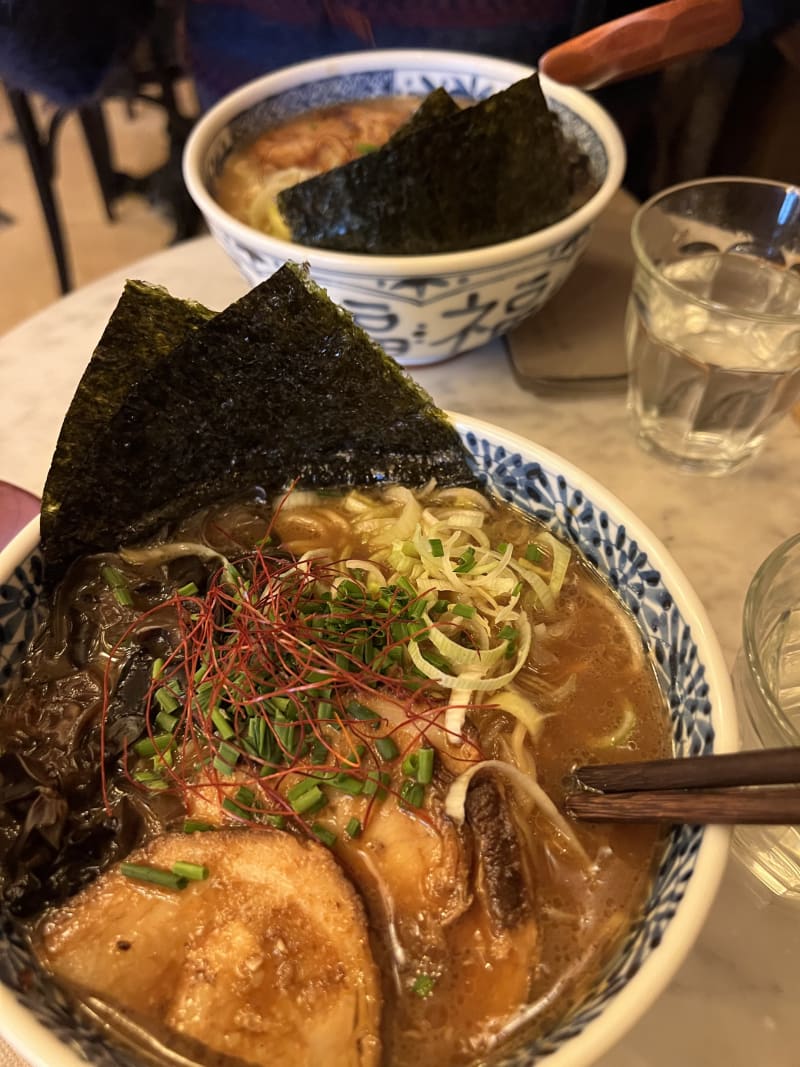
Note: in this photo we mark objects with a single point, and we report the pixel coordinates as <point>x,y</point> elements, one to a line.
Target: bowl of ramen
<point>284,759</point>
<point>440,197</point>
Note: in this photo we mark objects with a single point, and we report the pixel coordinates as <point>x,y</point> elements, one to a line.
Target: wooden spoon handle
<point>643,41</point>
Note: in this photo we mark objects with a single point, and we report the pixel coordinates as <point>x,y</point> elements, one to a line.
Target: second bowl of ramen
<point>421,306</point>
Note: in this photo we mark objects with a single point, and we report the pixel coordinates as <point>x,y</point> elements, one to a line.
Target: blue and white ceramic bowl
<point>690,667</point>
<point>421,309</point>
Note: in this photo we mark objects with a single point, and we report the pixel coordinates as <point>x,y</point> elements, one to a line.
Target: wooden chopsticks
<point>733,788</point>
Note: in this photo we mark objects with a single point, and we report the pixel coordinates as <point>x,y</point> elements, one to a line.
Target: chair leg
<point>94,131</point>
<point>40,157</point>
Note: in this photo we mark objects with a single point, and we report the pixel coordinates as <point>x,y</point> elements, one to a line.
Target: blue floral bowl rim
<point>41,1048</point>
<point>232,105</point>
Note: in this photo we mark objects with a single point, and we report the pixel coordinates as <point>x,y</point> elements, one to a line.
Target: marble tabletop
<point>735,1000</point>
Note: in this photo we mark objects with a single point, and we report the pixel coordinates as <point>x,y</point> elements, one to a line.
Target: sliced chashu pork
<point>267,960</point>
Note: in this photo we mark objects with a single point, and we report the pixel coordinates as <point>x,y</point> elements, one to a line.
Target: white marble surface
<point>735,1000</point>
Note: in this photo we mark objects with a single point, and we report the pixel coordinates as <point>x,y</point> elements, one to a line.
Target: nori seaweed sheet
<point>438,104</point>
<point>487,173</point>
<point>145,326</point>
<point>282,385</point>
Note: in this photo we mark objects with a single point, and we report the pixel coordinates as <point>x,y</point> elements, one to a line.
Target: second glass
<point>713,321</point>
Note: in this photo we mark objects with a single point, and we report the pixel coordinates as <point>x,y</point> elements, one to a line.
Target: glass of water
<point>713,320</point>
<point>766,679</point>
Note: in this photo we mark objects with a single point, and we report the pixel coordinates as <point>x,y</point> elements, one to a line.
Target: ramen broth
<point>292,151</point>
<point>465,954</point>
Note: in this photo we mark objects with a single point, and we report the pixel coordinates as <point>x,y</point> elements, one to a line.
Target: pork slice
<point>266,961</point>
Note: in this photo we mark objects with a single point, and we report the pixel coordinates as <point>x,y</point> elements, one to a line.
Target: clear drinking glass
<point>766,679</point>
<point>713,321</point>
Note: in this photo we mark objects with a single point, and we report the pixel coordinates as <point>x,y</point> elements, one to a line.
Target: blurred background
<point>97,100</point>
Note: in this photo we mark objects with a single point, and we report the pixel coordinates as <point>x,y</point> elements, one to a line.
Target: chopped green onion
<point>192,872</point>
<point>412,793</point>
<point>517,589</point>
<point>410,764</point>
<point>157,668</point>
<point>224,728</point>
<point>167,700</point>
<point>437,548</point>
<point>508,633</point>
<point>152,747</point>
<point>347,784</point>
<point>278,821</point>
<point>310,801</point>
<point>425,766</point>
<point>501,547</point>
<point>166,721</point>
<point>353,828</point>
<point>423,985</point>
<point>534,554</point>
<point>143,873</point>
<point>190,589</point>
<point>466,562</point>
<point>386,748</point>
<point>375,784</point>
<point>300,788</point>
<point>466,611</point>
<point>196,826</point>
<point>406,586</point>
<point>323,834</point>
<point>360,711</point>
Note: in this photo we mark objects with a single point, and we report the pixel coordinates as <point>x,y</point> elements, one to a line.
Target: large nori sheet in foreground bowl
<point>484,174</point>
<point>282,385</point>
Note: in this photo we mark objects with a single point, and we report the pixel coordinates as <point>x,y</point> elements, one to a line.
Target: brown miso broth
<point>480,912</point>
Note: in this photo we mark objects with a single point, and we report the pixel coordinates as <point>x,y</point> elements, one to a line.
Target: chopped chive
<point>466,611</point>
<point>112,577</point>
<point>466,562</point>
<point>404,584</point>
<point>245,796</point>
<point>224,728</point>
<point>386,748</point>
<point>508,633</point>
<point>300,788</point>
<point>517,589</point>
<point>436,546</point>
<point>439,607</point>
<point>323,834</point>
<point>423,985</point>
<point>311,801</point>
<point>196,826</point>
<point>501,547</point>
<point>410,764</point>
<point>425,766</point>
<point>150,780</point>
<point>157,668</point>
<point>166,721</point>
<point>353,828</point>
<point>167,700</point>
<point>278,821</point>
<point>143,873</point>
<point>360,711</point>
<point>190,589</point>
<point>412,793</point>
<point>229,753</point>
<point>192,872</point>
<point>123,596</point>
<point>346,783</point>
<point>534,554</point>
<point>375,784</point>
<point>230,805</point>
<point>152,746</point>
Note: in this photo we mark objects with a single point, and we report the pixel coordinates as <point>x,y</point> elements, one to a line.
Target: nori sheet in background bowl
<point>476,176</point>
